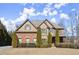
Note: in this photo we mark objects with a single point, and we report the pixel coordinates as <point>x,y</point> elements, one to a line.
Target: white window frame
<point>20,40</point>
<point>27,40</point>
<point>34,40</point>
<point>44,31</point>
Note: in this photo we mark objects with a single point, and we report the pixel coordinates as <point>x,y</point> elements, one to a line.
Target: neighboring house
<point>27,32</point>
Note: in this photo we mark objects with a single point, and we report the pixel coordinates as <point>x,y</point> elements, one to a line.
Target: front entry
<point>54,40</point>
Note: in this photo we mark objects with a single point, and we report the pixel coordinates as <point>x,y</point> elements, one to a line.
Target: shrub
<point>57,45</point>
<point>49,39</point>
<point>39,41</point>
<point>57,36</point>
<point>14,40</point>
<point>44,43</point>
<point>67,45</point>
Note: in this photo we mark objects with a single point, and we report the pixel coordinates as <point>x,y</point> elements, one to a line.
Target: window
<point>44,31</point>
<point>27,27</point>
<point>34,41</point>
<point>20,40</point>
<point>51,30</point>
<point>27,40</point>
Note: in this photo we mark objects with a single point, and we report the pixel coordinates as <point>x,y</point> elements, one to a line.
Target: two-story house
<point>27,32</point>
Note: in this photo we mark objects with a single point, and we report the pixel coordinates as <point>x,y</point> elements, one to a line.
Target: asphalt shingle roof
<point>36,23</point>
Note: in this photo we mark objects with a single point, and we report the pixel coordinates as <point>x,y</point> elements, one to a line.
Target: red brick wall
<point>31,36</point>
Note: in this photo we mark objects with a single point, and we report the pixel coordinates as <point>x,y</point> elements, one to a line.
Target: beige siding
<point>53,32</point>
<point>48,24</point>
<point>43,26</point>
<point>61,32</point>
<point>44,37</point>
<point>22,29</point>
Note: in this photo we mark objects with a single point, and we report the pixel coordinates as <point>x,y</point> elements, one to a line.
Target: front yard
<point>38,51</point>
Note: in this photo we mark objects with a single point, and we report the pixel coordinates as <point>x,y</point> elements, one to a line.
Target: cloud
<point>64,16</point>
<point>69,29</point>
<point>23,4</point>
<point>9,24</point>
<point>53,20</point>
<point>59,5</point>
<point>49,4</point>
<point>45,11</point>
<point>48,10</point>
<point>73,9</point>
<point>28,11</point>
<point>53,13</point>
<point>21,18</point>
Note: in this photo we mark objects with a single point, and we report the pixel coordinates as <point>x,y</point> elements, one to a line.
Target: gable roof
<point>37,23</point>
<point>23,24</point>
<point>55,26</point>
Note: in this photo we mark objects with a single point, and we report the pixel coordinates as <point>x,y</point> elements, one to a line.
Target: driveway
<point>38,51</point>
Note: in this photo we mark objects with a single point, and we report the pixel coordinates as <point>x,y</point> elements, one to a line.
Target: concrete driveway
<point>8,50</point>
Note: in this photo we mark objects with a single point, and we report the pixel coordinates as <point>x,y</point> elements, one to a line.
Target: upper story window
<point>51,30</point>
<point>27,27</point>
<point>44,31</point>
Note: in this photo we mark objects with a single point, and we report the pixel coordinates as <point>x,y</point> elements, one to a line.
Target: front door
<point>53,39</point>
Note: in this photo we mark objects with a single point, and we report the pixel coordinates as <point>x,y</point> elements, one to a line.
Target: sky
<point>13,14</point>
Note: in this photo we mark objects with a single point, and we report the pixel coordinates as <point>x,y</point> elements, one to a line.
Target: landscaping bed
<point>67,45</point>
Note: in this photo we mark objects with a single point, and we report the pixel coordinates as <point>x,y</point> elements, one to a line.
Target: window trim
<point>28,41</point>
<point>34,40</point>
<point>44,31</point>
<point>27,27</point>
<point>19,40</point>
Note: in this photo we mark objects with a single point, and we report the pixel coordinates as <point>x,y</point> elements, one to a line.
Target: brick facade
<point>24,36</point>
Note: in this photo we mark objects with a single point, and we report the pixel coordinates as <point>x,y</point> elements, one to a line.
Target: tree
<point>49,39</point>
<point>14,40</point>
<point>74,26</point>
<point>5,38</point>
<point>39,40</point>
<point>57,36</point>
<point>77,23</point>
<point>2,38</point>
<point>8,38</point>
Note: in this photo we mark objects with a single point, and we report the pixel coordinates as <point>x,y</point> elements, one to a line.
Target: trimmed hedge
<point>14,40</point>
<point>67,45</point>
<point>57,36</point>
<point>39,40</point>
<point>44,43</point>
<point>49,39</point>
